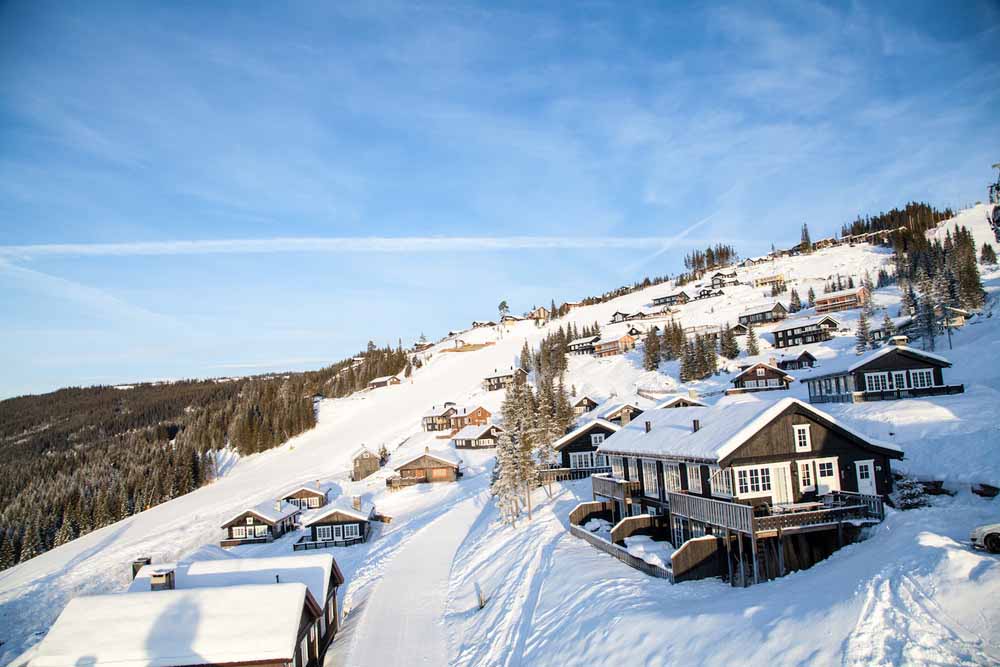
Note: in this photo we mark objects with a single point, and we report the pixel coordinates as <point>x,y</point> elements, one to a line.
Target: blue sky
<point>391,132</point>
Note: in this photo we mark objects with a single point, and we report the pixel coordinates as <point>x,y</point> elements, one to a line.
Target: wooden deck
<point>546,475</point>
<point>617,489</point>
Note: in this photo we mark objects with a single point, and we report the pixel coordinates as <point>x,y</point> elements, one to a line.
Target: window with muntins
<point>921,378</point>
<point>803,443</point>
<point>672,476</point>
<point>876,381</point>
<point>720,482</point>
<point>651,486</point>
<point>351,530</point>
<point>596,439</point>
<point>760,372</point>
<point>826,469</point>
<point>314,502</point>
<point>617,467</point>
<point>694,477</point>
<point>633,469</point>
<point>579,460</point>
<point>238,532</point>
<point>323,533</point>
<point>806,476</point>
<point>753,480</point>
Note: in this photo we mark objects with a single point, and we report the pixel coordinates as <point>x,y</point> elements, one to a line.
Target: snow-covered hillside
<point>912,593</point>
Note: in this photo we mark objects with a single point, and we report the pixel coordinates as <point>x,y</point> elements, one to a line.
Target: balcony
<point>617,489</point>
<point>547,475</point>
<point>896,394</point>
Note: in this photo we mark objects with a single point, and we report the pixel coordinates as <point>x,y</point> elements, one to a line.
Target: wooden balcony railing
<point>630,524</point>
<point>896,394</point>
<point>546,475</point>
<point>621,554</point>
<point>715,512</point>
<point>619,489</point>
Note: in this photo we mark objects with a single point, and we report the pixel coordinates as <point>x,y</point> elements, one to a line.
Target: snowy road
<point>402,621</point>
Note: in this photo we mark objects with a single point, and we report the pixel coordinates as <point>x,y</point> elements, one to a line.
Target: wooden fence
<point>621,554</point>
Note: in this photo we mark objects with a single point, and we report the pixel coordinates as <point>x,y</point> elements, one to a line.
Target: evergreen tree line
<point>698,261</point>
<point>354,374</point>
<point>916,217</point>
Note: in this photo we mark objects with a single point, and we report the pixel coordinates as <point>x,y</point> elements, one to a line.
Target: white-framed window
<point>261,531</point>
<point>652,511</point>
<point>600,460</point>
<point>617,467</point>
<point>596,439</point>
<point>580,460</point>
<point>760,372</point>
<point>313,501</point>
<point>338,532</point>
<point>249,520</point>
<point>750,384</point>
<point>677,530</point>
<point>825,469</point>
<point>649,480</point>
<point>806,482</point>
<point>923,377</point>
<point>672,476</point>
<point>803,441</point>
<point>720,482</point>
<point>633,469</point>
<point>351,530</point>
<point>899,379</point>
<point>239,532</point>
<point>753,481</point>
<point>827,475</point>
<point>773,382</point>
<point>694,477</point>
<point>876,381</point>
<point>323,533</point>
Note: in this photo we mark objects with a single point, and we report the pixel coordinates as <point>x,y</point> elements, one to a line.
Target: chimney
<point>771,361</point>
<point>162,580</point>
<point>693,393</point>
<point>899,341</point>
<point>695,425</point>
<point>356,503</point>
<point>649,426</point>
<point>277,578</point>
<point>427,449</point>
<point>277,505</point>
<point>626,416</point>
<point>138,564</point>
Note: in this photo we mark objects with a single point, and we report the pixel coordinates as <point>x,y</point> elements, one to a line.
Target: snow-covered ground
<point>912,593</point>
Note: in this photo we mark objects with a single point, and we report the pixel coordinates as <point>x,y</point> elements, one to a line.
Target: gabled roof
<point>439,410</point>
<point>762,308</point>
<point>675,399</point>
<point>506,372</point>
<point>312,570</point>
<point>609,339</point>
<point>586,397</point>
<point>839,293</point>
<point>804,322</point>
<point>384,378</point>
<point>313,487</point>
<point>468,409</point>
<point>589,426</point>
<point>758,365</point>
<point>586,340</point>
<point>445,456</point>
<point>844,365</point>
<point>198,626</point>
<point>342,505</point>
<point>610,412</point>
<point>269,510</point>
<point>474,432</point>
<point>723,428</point>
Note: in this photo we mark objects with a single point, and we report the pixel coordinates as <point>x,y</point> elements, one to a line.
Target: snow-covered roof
<point>473,431</point>
<point>586,340</point>
<point>847,364</point>
<point>758,365</point>
<point>446,456</point>
<point>723,427</point>
<point>804,322</point>
<point>384,378</point>
<point>461,411</point>
<point>314,487</point>
<point>340,505</point>
<point>312,570</point>
<point>761,308</point>
<point>272,511</point>
<point>608,410</point>
<point>563,441</point>
<point>851,291</point>
<point>586,397</point>
<point>674,399</point>
<point>506,372</point>
<point>439,410</point>
<point>609,339</point>
<point>179,627</point>
<point>898,322</point>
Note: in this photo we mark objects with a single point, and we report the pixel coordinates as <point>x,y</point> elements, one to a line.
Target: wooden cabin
<point>577,449</point>
<point>618,317</point>
<point>583,405</point>
<point>804,330</point>
<point>679,402</point>
<point>841,300</point>
<point>767,281</point>
<point>540,314</point>
<point>610,346</point>
<point>583,345</point>
<point>756,315</point>
<point>437,466</point>
<point>261,625</point>
<point>307,496</point>
<point>263,523</point>
<point>900,325</point>
<point>472,415</point>
<point>620,413</point>
<point>677,298</point>
<point>502,380</point>
<point>481,324</point>
<point>892,372</point>
<point>761,377</point>
<point>343,522</point>
<point>384,381</point>
<point>364,463</point>
<point>477,436</point>
<point>438,418</point>
<point>708,293</point>
<point>781,484</point>
<point>318,573</point>
<point>722,279</point>
<point>739,329</point>
<point>793,363</point>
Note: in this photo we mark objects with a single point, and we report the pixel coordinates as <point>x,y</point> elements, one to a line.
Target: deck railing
<point>305,544</point>
<point>609,487</point>
<point>580,513</point>
<point>734,516</point>
<point>559,474</point>
<point>620,553</point>
<point>630,524</point>
<point>896,394</point>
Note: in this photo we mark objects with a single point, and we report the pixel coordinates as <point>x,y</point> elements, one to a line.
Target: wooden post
<point>527,493</point>
<point>743,572</point>
<point>840,534</point>
<point>781,554</point>
<point>753,552</point>
<point>729,557</point>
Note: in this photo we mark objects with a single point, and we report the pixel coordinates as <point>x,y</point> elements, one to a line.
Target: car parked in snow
<point>987,537</point>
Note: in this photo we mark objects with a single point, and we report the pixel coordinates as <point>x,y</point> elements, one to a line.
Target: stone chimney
<point>649,426</point>
<point>695,425</point>
<point>138,564</point>
<point>162,580</point>
<point>693,393</point>
<point>771,361</point>
<point>427,449</point>
<point>356,502</point>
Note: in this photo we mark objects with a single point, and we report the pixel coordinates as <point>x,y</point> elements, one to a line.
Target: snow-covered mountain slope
<point>907,595</point>
<point>976,220</point>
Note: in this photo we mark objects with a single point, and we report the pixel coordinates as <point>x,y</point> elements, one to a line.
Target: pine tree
<point>909,493</point>
<point>811,295</point>
<point>794,303</point>
<point>888,327</point>
<point>862,336</point>
<point>806,244</point>
<point>525,357</point>
<point>988,255</point>
<point>928,323</point>
<point>728,346</point>
<point>753,349</point>
<point>651,351</point>
<point>506,485</point>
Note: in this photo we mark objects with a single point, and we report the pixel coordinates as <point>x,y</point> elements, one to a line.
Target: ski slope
<point>911,594</point>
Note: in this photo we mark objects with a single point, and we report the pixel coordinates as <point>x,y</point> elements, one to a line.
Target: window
<point>249,520</point>
<point>721,482</point>
<point>697,529</point>
<point>876,381</point>
<point>672,476</point>
<point>773,382</point>
<point>323,533</point>
<point>922,378</point>
<point>351,530</point>
<point>314,502</point>
<point>752,481</point>
<point>600,461</point>
<point>678,531</point>
<point>694,477</point>
<point>864,472</point>
<point>760,372</point>
<point>617,468</point>
<point>652,511</point>
<point>633,469</point>
<point>650,482</point>
<point>239,532</point>
<point>803,443</point>
<point>806,476</point>
<point>580,460</point>
<point>596,439</point>
<point>750,384</point>
<point>260,530</point>
<point>826,469</point>
<point>338,533</point>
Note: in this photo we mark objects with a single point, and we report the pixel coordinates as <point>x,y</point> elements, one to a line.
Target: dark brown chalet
<point>583,345</point>
<point>761,377</point>
<point>317,573</point>
<point>262,523</point>
<point>674,299</point>
<point>892,372</point>
<point>438,418</point>
<point>502,380</point>
<point>430,466</point>
<point>801,331</point>
<point>761,314</point>
<point>307,496</point>
<point>792,363</point>
<point>583,405</point>
<point>364,463</point>
<point>343,522</point>
<point>621,413</point>
<point>477,436</point>
<point>739,329</point>
<point>577,449</point>
<point>780,484</point>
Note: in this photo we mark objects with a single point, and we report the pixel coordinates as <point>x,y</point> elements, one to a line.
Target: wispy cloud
<point>331,244</point>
